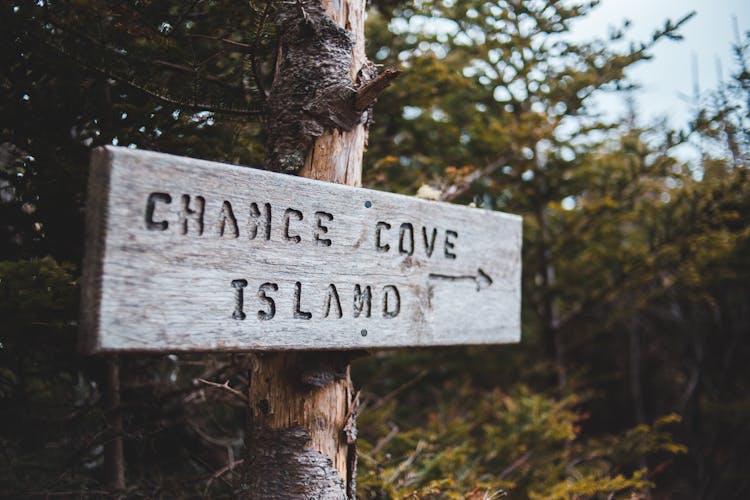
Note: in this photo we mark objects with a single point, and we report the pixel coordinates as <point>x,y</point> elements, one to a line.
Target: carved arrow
<point>481,280</point>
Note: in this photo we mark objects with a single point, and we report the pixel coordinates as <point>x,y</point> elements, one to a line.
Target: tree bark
<point>301,420</point>
<point>336,156</point>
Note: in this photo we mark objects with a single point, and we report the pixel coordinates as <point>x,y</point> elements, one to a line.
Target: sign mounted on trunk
<point>190,255</point>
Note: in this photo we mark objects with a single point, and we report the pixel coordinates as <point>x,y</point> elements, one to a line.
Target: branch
<point>381,444</point>
<point>519,462</point>
<point>220,473</point>
<point>257,73</point>
<point>191,71</point>
<point>399,389</point>
<point>225,387</point>
<point>368,93</point>
<point>408,462</point>
<point>239,45</point>
<point>457,190</point>
<point>350,422</point>
<point>159,94</point>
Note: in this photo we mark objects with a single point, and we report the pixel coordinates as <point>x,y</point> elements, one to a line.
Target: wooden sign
<point>189,255</point>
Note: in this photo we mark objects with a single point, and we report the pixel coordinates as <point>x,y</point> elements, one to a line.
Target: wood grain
<point>309,394</point>
<point>157,281</point>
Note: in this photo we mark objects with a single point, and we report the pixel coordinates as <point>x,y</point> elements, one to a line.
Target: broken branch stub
<point>369,91</point>
<point>306,99</point>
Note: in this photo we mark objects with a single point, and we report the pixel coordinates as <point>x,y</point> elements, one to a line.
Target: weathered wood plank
<point>186,255</point>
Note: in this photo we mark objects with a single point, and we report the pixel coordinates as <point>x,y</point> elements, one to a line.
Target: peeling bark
<point>312,91</point>
<point>283,466</point>
<point>301,432</point>
<point>323,85</point>
<point>297,441</point>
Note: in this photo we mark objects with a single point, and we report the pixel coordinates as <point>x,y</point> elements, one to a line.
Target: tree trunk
<point>114,460</point>
<point>301,418</point>
<point>551,335</point>
<point>336,156</point>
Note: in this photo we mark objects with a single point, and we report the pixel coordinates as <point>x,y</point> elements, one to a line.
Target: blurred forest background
<point>632,379</point>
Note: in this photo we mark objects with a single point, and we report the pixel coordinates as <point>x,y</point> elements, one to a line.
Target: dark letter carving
<point>227,215</point>
<point>429,245</point>
<point>321,229</point>
<point>187,214</point>
<point>150,206</point>
<point>332,296</point>
<point>449,244</point>
<point>378,239</point>
<point>253,222</point>
<point>402,236</point>
<point>287,216</point>
<point>362,301</point>
<point>388,312</point>
<point>267,287</point>
<point>298,313</point>
<point>239,298</point>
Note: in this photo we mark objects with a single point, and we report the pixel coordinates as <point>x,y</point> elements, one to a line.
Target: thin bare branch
<point>409,461</point>
<point>221,472</point>
<point>225,387</point>
<point>387,439</point>
<point>457,190</point>
<point>399,389</point>
<point>239,45</point>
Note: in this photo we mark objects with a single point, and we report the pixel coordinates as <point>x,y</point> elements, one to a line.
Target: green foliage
<point>522,444</point>
<point>632,264</point>
<point>39,388</point>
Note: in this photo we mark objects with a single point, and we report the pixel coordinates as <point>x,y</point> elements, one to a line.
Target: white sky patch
<point>667,80</point>
<point>568,203</point>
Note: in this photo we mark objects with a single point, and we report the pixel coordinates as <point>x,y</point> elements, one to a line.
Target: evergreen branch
<point>183,15</point>
<point>239,45</point>
<point>160,94</point>
<point>192,71</point>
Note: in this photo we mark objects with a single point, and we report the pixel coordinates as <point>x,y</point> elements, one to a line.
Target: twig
<point>457,190</point>
<point>224,443</point>
<point>225,386</point>
<point>409,460</point>
<point>228,41</point>
<point>368,93</point>
<point>398,389</point>
<point>69,493</point>
<point>221,472</point>
<point>387,439</point>
<point>515,465</point>
<point>303,12</point>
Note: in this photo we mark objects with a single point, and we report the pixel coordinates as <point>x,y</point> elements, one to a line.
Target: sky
<point>667,80</point>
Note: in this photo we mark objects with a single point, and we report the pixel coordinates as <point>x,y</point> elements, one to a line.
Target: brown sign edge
<point>97,214</point>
